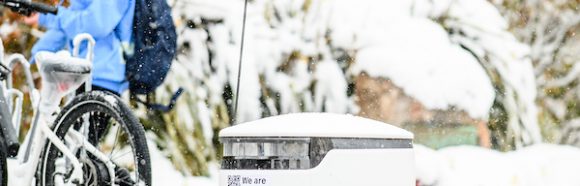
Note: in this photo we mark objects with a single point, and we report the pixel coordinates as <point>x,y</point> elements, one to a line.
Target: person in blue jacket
<point>110,24</point>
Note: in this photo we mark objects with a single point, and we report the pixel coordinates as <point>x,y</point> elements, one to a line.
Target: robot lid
<point>316,125</point>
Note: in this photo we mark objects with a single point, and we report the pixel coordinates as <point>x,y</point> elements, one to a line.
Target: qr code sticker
<point>234,180</point>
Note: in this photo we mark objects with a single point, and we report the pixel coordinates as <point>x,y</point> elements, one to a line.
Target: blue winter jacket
<point>108,21</point>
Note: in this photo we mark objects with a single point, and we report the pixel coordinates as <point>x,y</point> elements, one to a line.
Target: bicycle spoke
<point>115,143</point>
<point>120,156</point>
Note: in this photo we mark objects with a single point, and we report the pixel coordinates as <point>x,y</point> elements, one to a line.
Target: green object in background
<point>437,137</point>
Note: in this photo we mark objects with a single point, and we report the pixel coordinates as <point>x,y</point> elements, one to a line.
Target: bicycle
<point>80,144</point>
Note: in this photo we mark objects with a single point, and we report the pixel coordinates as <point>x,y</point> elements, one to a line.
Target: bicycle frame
<point>8,132</point>
<point>28,156</point>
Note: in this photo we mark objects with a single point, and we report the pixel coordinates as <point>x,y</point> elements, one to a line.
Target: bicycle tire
<point>3,164</point>
<point>99,103</point>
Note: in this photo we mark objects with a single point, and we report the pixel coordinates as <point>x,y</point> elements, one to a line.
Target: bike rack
<point>16,109</point>
<point>13,60</point>
<point>90,53</point>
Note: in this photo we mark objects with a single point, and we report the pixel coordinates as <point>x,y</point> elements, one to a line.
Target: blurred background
<point>481,79</point>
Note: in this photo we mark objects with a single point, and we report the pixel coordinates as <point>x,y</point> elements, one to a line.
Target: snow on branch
<point>571,76</point>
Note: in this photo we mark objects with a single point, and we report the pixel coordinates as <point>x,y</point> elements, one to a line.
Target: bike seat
<point>61,67</point>
<point>61,74</point>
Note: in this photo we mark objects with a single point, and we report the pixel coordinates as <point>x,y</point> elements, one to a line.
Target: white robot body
<point>316,150</point>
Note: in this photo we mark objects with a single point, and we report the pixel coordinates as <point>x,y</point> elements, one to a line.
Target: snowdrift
<point>542,164</point>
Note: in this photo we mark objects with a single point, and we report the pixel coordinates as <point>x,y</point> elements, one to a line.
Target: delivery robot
<point>316,149</point>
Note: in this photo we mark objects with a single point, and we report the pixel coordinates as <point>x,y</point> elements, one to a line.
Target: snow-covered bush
<point>479,28</point>
<point>550,29</point>
<point>302,56</point>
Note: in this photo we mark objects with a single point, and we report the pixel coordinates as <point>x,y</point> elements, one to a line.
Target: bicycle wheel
<point>114,131</point>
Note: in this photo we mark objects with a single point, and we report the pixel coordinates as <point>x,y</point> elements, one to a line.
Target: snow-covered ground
<point>537,165</point>
<point>163,172</point>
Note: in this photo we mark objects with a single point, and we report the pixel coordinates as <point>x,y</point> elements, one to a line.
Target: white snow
<point>484,33</point>
<point>205,120</point>
<point>429,68</point>
<point>330,90</point>
<point>317,125</point>
<point>541,164</point>
<point>163,172</point>
<point>411,50</point>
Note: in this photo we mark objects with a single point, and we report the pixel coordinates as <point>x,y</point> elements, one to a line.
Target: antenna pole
<point>235,114</point>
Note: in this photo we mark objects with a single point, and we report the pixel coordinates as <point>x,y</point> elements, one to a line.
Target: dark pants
<point>81,89</point>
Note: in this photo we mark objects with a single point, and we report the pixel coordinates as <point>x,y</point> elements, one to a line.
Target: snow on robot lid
<point>316,125</point>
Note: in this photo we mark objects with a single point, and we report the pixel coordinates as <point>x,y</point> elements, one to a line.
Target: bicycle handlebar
<point>43,8</point>
<point>26,7</point>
